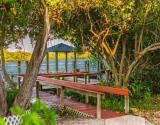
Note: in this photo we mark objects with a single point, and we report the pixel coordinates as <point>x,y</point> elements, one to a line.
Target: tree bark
<point>121,69</point>
<point>135,63</point>
<point>3,102</point>
<point>24,94</point>
<point>5,74</point>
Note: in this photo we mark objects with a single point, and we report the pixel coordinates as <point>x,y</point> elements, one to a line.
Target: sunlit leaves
<point>39,115</point>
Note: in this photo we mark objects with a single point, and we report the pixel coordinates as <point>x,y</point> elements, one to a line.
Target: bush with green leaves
<point>40,114</point>
<point>139,91</point>
<point>10,97</point>
<point>2,122</point>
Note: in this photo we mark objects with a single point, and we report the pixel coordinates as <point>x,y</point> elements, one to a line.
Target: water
<point>13,69</point>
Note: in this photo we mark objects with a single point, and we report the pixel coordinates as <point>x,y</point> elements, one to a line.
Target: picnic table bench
<point>91,90</point>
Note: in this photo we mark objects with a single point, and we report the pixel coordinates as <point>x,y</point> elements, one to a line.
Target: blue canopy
<point>60,48</point>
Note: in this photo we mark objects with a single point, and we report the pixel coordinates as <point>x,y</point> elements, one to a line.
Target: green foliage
<point>112,102</point>
<point>10,97</point>
<point>75,96</point>
<point>17,110</point>
<point>33,119</point>
<point>139,91</point>
<point>104,83</point>
<point>2,122</point>
<point>40,114</point>
<point>12,20</point>
<point>18,19</point>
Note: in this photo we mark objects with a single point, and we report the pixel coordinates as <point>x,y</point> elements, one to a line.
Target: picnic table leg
<point>85,78</point>
<point>62,97</point>
<point>99,106</point>
<point>88,78</point>
<point>126,98</point>
<point>86,96</point>
<point>76,78</point>
<point>37,89</point>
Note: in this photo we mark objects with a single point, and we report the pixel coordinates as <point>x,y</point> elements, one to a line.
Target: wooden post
<point>47,59</point>
<point>76,78</point>
<point>75,61</point>
<point>74,65</point>
<point>85,78</point>
<point>37,89</point>
<point>19,71</point>
<point>88,78</point>
<point>86,96</point>
<point>98,106</point>
<point>88,68</point>
<point>66,62</point>
<point>85,65</point>
<point>126,98</point>
<point>56,54</point>
<point>62,97</point>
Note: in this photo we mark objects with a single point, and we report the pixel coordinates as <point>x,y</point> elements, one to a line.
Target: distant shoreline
<point>25,56</point>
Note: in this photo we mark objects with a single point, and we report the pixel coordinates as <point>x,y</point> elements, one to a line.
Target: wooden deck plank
<point>81,107</point>
<point>83,87</point>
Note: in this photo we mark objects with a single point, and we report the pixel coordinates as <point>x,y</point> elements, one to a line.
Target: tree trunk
<point>3,102</point>
<point>7,78</point>
<point>24,94</point>
<point>122,63</point>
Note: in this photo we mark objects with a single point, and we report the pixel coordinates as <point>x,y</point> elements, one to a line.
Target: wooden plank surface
<point>84,87</point>
<point>50,99</point>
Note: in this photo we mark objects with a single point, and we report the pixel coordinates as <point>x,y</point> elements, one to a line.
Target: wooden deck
<point>84,108</point>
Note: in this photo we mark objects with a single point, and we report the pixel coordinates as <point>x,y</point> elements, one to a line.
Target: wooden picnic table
<point>68,74</point>
<point>91,90</point>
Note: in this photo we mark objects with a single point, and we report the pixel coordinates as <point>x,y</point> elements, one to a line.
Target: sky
<point>26,45</point>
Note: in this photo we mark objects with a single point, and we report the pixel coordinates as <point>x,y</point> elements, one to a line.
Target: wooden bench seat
<point>91,90</point>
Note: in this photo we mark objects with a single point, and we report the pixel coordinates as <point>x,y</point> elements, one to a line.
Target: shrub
<point>2,122</point>
<point>10,97</point>
<point>39,115</point>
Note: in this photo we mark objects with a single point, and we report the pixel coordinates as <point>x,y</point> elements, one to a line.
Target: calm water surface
<point>13,69</point>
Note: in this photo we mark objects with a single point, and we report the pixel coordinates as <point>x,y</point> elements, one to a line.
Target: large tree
<point>24,95</point>
<point>122,32</point>
<point>20,18</point>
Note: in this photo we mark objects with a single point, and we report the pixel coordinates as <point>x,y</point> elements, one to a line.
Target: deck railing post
<point>37,89</point>
<point>126,98</point>
<point>98,106</point>
<point>85,78</point>
<point>88,66</point>
<point>62,97</point>
<point>56,60</point>
<point>88,78</point>
<point>66,61</point>
<point>19,71</point>
<point>47,59</point>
